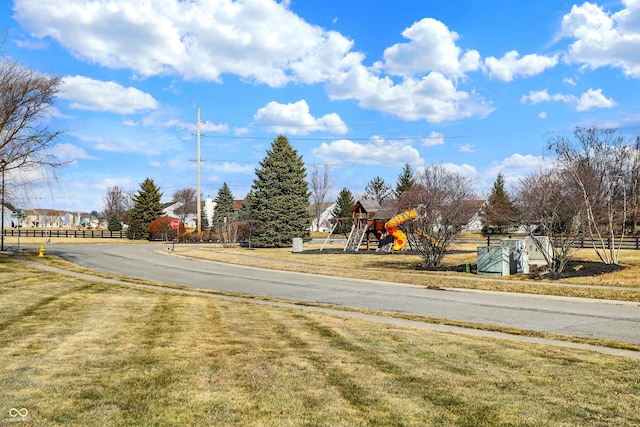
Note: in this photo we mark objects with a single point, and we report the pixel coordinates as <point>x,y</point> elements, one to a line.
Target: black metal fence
<point>103,234</point>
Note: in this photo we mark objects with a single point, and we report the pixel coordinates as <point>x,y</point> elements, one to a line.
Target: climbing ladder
<point>355,239</point>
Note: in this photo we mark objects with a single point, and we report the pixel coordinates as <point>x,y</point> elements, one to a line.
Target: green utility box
<point>493,260</point>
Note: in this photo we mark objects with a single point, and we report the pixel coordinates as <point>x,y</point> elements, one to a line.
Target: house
<point>170,208</point>
<point>326,215</point>
<point>7,219</point>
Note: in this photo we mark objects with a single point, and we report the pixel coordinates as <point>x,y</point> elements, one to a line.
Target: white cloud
<point>295,119</point>
<point>537,96</point>
<point>379,152</point>
<point>433,97</point>
<point>435,138</point>
<point>594,99</point>
<point>66,151</point>
<point>119,144</point>
<point>94,95</point>
<point>463,169</point>
<point>513,169</point>
<point>232,167</point>
<point>569,81</point>
<point>602,38</point>
<point>432,47</point>
<point>262,41</point>
<point>542,115</point>
<point>510,65</point>
<point>590,99</point>
<point>205,126</point>
<point>466,148</point>
<point>104,184</point>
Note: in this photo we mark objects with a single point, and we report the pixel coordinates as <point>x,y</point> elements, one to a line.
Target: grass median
<point>80,352</point>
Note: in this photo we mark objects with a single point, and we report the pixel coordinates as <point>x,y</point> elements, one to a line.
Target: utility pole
<point>198,208</point>
<point>3,165</point>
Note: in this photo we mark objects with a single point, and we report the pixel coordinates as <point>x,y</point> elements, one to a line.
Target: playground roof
<point>388,209</point>
<point>367,206</point>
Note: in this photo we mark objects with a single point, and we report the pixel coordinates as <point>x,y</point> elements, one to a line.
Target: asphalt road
<point>570,316</point>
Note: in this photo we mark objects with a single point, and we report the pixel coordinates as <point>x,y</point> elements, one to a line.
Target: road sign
<point>18,215</point>
<point>175,223</point>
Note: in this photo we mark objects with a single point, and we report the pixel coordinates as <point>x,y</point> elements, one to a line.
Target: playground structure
<point>367,221</point>
<point>375,223</point>
<point>399,236</point>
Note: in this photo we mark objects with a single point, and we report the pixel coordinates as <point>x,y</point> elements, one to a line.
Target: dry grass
<point>405,268</point>
<point>76,352</point>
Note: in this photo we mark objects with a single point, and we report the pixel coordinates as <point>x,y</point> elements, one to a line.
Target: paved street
<point>572,316</point>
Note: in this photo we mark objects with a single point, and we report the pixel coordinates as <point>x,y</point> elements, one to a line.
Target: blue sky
<point>363,87</point>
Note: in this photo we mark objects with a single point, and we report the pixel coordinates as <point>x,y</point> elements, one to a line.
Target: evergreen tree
<point>405,180</point>
<point>225,208</point>
<point>499,211</point>
<point>204,222</point>
<point>342,210</point>
<point>377,189</point>
<point>146,208</point>
<point>114,222</point>
<point>244,214</point>
<point>281,197</point>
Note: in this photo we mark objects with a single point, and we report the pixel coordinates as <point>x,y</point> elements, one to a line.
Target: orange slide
<point>392,227</point>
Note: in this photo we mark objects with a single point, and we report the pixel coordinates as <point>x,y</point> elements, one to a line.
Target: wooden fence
<point>629,242</point>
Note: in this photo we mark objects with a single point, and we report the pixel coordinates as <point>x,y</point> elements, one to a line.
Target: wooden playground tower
<point>368,219</point>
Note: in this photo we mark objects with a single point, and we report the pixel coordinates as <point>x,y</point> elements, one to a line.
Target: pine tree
<point>499,211</point>
<point>114,222</point>
<point>405,180</point>
<point>342,210</point>
<point>225,208</point>
<point>281,197</point>
<point>146,207</point>
<point>377,189</point>
<point>204,222</point>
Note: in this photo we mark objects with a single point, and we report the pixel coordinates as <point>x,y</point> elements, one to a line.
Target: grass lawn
<point>77,352</point>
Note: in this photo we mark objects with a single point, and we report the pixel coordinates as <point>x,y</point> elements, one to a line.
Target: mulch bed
<point>572,269</point>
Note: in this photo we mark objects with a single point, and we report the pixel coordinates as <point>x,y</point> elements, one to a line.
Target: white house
<point>9,222</point>
<point>325,218</point>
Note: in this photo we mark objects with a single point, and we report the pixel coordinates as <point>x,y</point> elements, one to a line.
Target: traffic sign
<point>18,215</point>
<point>175,223</point>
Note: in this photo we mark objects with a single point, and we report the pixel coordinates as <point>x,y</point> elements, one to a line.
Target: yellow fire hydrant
<point>41,254</point>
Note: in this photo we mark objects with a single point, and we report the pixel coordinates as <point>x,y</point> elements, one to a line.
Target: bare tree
<point>633,193</point>
<point>444,202</point>
<point>186,196</point>
<point>26,97</point>
<point>319,188</point>
<point>550,204</point>
<point>115,201</point>
<point>599,161</point>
